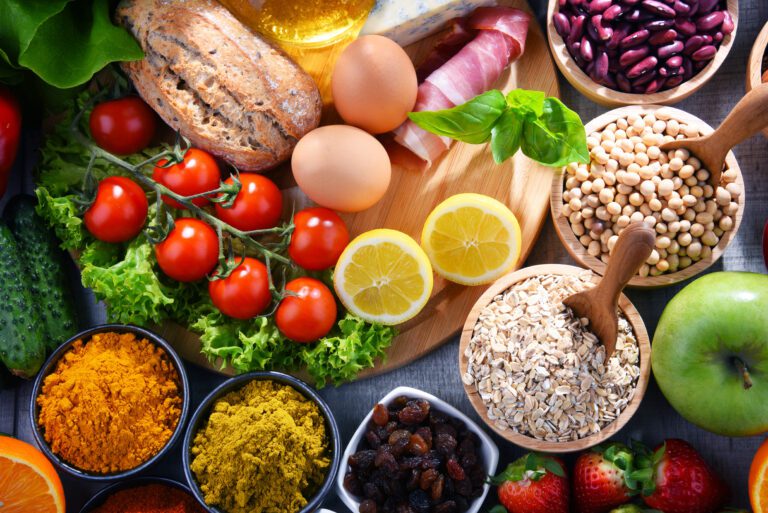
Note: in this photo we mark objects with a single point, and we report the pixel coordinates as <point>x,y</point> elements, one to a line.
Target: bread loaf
<point>223,87</point>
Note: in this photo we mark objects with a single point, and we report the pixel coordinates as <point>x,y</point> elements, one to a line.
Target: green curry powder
<point>263,450</point>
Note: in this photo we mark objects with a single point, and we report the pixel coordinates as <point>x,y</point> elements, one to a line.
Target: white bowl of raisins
<point>415,453</point>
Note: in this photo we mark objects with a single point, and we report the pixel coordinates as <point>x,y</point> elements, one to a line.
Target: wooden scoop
<point>600,303</point>
<point>748,117</point>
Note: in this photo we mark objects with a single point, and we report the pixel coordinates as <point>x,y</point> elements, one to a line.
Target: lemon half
<point>472,239</point>
<point>383,276</point>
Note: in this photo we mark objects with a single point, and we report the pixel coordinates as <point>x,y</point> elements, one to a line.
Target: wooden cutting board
<point>520,183</point>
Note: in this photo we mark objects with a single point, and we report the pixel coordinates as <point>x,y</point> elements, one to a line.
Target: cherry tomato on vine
<point>319,237</point>
<point>123,126</point>
<point>118,212</point>
<point>190,251</point>
<point>244,293</point>
<point>308,315</point>
<point>257,206</point>
<point>197,173</point>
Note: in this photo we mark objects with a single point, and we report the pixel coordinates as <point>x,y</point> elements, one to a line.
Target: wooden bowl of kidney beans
<point>622,52</point>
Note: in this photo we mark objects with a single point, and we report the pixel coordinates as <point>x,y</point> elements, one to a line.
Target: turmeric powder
<point>111,403</point>
<point>263,449</point>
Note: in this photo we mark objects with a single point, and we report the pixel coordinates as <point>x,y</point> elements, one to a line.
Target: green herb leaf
<point>470,122</point>
<point>525,103</point>
<point>557,137</point>
<point>505,136</point>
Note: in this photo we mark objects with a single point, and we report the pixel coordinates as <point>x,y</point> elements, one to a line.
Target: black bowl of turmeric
<point>144,494</point>
<point>263,441</point>
<point>110,402</point>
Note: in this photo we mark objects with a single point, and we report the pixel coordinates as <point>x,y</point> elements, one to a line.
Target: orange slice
<point>758,480</point>
<point>28,481</point>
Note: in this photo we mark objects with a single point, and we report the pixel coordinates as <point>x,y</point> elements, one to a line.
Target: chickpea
<point>647,188</point>
<point>691,181</point>
<point>624,189</point>
<point>586,186</point>
<point>587,212</point>
<point>685,225</point>
<point>622,221</point>
<point>642,158</point>
<point>628,210</point>
<point>726,223</point>
<point>650,221</point>
<point>578,229</point>
<point>610,178</point>
<point>673,127</point>
<point>631,179</point>
<point>622,124</point>
<point>663,242</point>
<point>653,259</point>
<point>704,217</point>
<point>659,126</point>
<point>690,214</point>
<point>711,207</point>
<point>621,134</point>
<point>734,189</point>
<point>709,191</point>
<point>661,228</point>
<point>645,209</point>
<point>684,239</point>
<point>636,217</point>
<point>674,262</point>
<point>575,204</point>
<point>666,187</point>
<point>732,209</point>
<point>602,213</point>
<point>673,227</point>
<point>576,218</point>
<point>593,248</point>
<point>608,144</point>
<point>613,208</point>
<point>612,165</point>
<point>647,172</point>
<point>635,199</point>
<point>668,215</point>
<point>674,248</point>
<point>691,131</point>
<point>585,240</point>
<point>675,202</point>
<point>612,242</point>
<point>718,232</point>
<point>598,185</point>
<point>685,262</point>
<point>675,164</point>
<point>729,175</point>
<point>709,238</point>
<point>686,171</point>
<point>592,141</point>
<point>582,173</point>
<point>697,229</point>
<point>706,252</point>
<point>605,195</point>
<point>621,199</point>
<point>697,191</point>
<point>644,270</point>
<point>662,266</point>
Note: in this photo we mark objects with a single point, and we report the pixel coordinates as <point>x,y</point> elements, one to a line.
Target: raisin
<point>405,508</point>
<point>427,478</point>
<point>477,475</point>
<point>461,503</point>
<point>426,434</point>
<point>368,506</point>
<point>373,439</point>
<point>390,503</point>
<point>371,491</point>
<point>381,432</point>
<point>446,429</point>
<point>400,434</point>
<point>417,445</point>
<point>437,417</point>
<point>419,501</point>
<point>413,480</point>
<point>410,462</point>
<point>415,412</point>
<point>454,470</point>
<point>446,507</point>
<point>431,460</point>
<point>469,460</point>
<point>380,415</point>
<point>436,490</point>
<point>399,402</point>
<point>391,426</point>
<point>362,460</point>
<point>352,484</point>
<point>463,486</point>
<point>386,461</point>
<point>445,444</point>
<point>466,446</point>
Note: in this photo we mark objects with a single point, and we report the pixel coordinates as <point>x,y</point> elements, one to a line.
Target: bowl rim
<point>101,496</point>
<point>237,382</point>
<point>354,505</point>
<point>579,253</point>
<point>525,441</point>
<point>86,335</point>
<point>611,97</point>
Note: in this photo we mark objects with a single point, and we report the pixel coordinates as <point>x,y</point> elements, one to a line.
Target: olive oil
<point>309,23</point>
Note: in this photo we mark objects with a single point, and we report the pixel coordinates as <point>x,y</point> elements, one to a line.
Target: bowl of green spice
<point>263,441</point>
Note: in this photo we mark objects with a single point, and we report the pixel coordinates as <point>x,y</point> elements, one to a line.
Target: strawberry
<point>682,481</point>
<point>604,478</point>
<point>534,484</point>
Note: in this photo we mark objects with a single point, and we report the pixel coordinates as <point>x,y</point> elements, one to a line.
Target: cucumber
<point>44,261</point>
<point>22,338</point>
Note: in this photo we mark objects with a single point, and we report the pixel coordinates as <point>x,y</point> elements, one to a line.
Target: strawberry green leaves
<point>532,466</point>
<point>543,128</point>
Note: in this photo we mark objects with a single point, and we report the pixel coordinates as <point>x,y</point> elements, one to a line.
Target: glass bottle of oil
<point>307,23</point>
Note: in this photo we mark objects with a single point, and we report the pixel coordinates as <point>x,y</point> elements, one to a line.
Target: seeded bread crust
<point>225,88</point>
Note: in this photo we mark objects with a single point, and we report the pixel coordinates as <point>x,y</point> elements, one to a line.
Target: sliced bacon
<point>471,71</point>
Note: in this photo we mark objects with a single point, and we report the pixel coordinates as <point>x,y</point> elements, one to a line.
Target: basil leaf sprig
<point>544,128</point>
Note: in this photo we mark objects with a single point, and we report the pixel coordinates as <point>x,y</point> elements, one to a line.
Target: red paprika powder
<point>152,498</point>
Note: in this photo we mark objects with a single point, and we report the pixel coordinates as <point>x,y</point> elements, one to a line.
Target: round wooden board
<point>520,183</point>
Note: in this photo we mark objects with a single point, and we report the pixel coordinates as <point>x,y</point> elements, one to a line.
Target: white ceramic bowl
<point>488,449</point>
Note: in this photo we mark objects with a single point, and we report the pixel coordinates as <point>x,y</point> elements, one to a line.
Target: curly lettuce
<point>63,214</point>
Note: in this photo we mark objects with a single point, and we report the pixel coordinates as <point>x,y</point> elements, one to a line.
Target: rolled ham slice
<point>472,71</point>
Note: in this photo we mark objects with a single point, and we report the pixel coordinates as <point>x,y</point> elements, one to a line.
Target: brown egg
<point>341,167</point>
<point>374,84</point>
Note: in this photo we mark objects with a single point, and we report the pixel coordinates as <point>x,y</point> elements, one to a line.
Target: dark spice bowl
<point>203,411</point>
<point>50,365</point>
<point>101,497</point>
<point>487,449</point>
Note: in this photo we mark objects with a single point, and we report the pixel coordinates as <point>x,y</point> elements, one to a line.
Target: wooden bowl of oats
<point>535,374</point>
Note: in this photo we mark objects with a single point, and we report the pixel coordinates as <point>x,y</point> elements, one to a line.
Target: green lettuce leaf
<point>340,358</point>
<point>130,286</point>
<point>63,214</point>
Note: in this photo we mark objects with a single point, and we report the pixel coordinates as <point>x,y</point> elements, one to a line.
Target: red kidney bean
<point>659,25</point>
<point>670,49</point>
<point>685,26</point>
<point>704,53</point>
<point>700,65</point>
<point>634,15</point>
<point>717,37</point>
<point>608,81</point>
<point>693,44</point>
<point>644,79</point>
<point>577,29</point>
<point>654,85</point>
<point>663,38</point>
<point>635,38</point>
<point>623,83</point>
<point>641,68</point>
<point>674,81</point>
<point>682,8</point>
<point>601,65</point>
<point>612,12</point>
<point>604,32</point>
<point>630,2</point>
<point>687,68</point>
<point>658,8</point>
<point>562,3</point>
<point>728,25</point>
<point>710,21</point>
<point>598,6</point>
<point>633,56</point>
<point>674,62</point>
<point>620,33</point>
<point>586,49</point>
<point>562,24</point>
<point>706,6</point>
<point>707,39</point>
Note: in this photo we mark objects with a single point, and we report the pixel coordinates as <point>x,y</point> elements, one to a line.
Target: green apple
<point>710,353</point>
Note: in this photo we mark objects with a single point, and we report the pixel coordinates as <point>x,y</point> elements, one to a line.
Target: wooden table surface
<point>438,374</point>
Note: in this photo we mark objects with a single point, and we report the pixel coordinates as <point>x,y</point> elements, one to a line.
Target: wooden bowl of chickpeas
<point>629,179</point>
